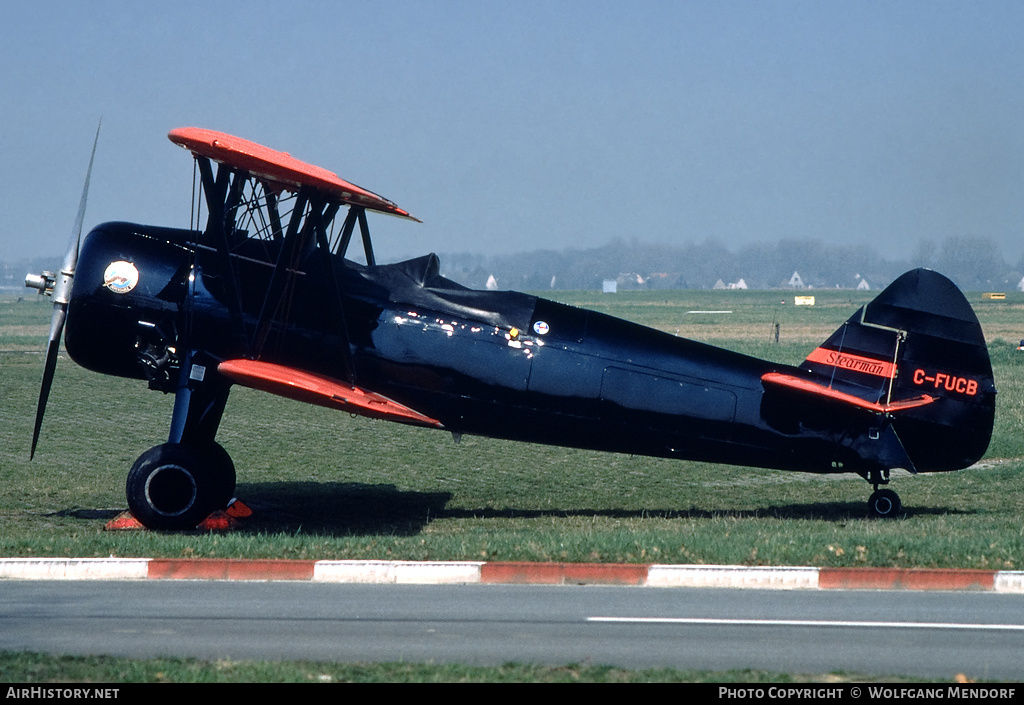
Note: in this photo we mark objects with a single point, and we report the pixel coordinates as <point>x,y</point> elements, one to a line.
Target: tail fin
<point>916,354</point>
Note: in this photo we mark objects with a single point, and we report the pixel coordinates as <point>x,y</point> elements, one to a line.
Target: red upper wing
<point>278,167</point>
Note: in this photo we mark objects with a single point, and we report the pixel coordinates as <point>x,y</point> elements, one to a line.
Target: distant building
<point>795,282</point>
<point>738,285</point>
<point>863,285</point>
<point>631,281</point>
<point>492,283</point>
<point>609,286</point>
<point>719,285</point>
<point>665,280</point>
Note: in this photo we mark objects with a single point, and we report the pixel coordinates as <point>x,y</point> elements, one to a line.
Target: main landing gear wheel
<point>174,486</point>
<point>884,504</point>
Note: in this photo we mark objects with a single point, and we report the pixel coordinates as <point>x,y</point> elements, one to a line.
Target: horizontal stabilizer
<point>804,385</point>
<point>323,391</point>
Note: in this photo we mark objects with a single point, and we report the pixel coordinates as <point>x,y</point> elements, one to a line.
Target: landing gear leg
<point>883,504</point>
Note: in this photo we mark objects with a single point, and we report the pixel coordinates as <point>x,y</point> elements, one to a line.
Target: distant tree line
<point>974,263</point>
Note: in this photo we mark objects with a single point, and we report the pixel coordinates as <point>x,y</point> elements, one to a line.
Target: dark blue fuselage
<point>498,364</point>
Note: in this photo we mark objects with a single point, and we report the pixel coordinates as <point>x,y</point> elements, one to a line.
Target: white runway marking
<point>808,623</point>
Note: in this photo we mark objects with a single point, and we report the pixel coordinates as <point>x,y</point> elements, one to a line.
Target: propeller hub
<point>43,281</point>
<point>62,286</point>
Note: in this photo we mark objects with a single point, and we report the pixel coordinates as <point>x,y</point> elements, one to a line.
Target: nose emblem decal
<point>120,277</point>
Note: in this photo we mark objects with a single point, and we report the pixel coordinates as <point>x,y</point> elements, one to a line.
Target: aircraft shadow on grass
<point>355,508</point>
<point>340,508</point>
<point>329,508</point>
<point>346,509</point>
<point>359,509</point>
<point>838,511</point>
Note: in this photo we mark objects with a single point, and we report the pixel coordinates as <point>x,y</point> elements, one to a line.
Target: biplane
<point>266,296</point>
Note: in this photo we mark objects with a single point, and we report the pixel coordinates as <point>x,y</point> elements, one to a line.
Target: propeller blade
<point>52,347</point>
<point>61,296</point>
<point>62,287</point>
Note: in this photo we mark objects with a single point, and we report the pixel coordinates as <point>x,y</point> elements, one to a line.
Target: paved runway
<point>926,634</point>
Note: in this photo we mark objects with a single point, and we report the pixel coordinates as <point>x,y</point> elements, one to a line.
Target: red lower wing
<point>323,391</point>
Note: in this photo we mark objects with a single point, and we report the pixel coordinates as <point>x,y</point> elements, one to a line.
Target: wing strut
<point>365,230</point>
<point>218,204</point>
<point>356,214</point>
<point>319,220</point>
<point>283,278</point>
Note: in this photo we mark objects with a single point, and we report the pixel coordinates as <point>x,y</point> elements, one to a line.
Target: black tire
<point>884,504</point>
<point>223,471</point>
<point>172,487</point>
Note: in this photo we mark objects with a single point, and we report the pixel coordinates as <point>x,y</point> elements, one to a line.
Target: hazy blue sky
<point>518,125</point>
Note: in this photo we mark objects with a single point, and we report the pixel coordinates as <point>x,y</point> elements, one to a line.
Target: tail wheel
<point>173,486</point>
<point>884,504</point>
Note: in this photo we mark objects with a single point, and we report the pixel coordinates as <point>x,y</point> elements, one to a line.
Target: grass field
<point>325,485</point>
